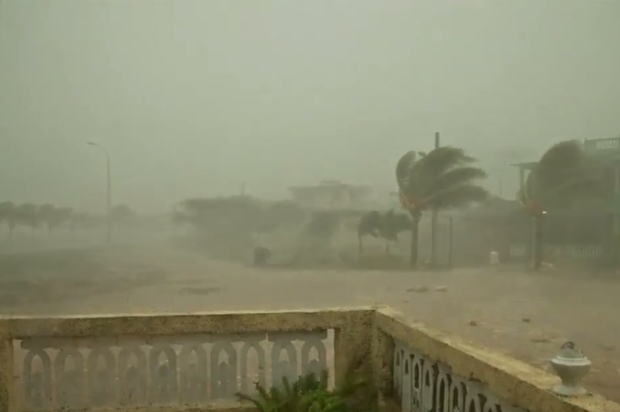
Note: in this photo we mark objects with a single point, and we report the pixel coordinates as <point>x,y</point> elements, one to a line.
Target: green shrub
<point>311,394</point>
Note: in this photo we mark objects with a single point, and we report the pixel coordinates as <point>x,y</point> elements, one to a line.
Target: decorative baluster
<point>193,372</point>
<point>101,380</point>
<point>406,382</point>
<point>37,384</point>
<point>427,389</point>
<point>113,372</point>
<point>315,366</point>
<point>69,383</point>
<point>163,387</point>
<point>283,369</point>
<point>428,386</point>
<point>491,404</point>
<point>472,397</point>
<point>223,374</point>
<point>132,372</point>
<point>399,351</point>
<point>442,392</point>
<point>252,342</point>
<point>457,393</point>
<point>416,380</point>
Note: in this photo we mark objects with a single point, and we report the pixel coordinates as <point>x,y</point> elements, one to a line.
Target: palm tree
<point>123,215</point>
<point>386,226</point>
<point>441,179</point>
<point>7,214</point>
<point>564,174</point>
<point>27,214</point>
<point>54,216</point>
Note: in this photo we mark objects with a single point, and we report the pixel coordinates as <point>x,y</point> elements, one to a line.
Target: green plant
<point>564,175</point>
<point>441,179</point>
<point>308,394</point>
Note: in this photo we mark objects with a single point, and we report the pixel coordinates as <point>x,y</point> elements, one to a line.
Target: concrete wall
<point>198,361</point>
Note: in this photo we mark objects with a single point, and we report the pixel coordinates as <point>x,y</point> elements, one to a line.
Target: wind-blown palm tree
<point>27,214</point>
<point>441,179</point>
<point>7,214</point>
<point>564,174</point>
<point>54,216</point>
<point>386,226</point>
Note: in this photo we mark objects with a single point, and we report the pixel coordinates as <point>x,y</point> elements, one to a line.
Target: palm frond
<point>563,174</point>
<point>262,401</point>
<point>403,167</point>
<point>276,397</point>
<point>456,177</point>
<point>416,185</point>
<point>560,160</point>
<point>442,159</point>
<point>457,196</point>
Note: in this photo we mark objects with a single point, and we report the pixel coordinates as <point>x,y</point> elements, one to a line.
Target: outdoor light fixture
<point>571,366</point>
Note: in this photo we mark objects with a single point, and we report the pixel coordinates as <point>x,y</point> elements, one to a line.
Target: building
<point>333,194</point>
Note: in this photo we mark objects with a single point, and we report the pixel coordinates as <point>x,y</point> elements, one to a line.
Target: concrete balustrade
<point>191,362</point>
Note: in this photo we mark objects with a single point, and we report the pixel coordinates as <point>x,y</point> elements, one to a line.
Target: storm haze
<point>194,97</point>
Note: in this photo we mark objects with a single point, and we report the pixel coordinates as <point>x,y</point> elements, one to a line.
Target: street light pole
<point>109,189</point>
<point>434,223</point>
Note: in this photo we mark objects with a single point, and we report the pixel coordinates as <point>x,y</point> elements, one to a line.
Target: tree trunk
<point>11,229</point>
<point>538,242</point>
<point>415,229</point>
<point>433,262</point>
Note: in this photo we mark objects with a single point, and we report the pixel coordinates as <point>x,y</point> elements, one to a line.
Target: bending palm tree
<point>563,174</point>
<point>441,179</point>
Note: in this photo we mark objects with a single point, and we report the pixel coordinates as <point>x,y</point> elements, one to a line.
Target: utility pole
<point>434,223</point>
<point>109,189</point>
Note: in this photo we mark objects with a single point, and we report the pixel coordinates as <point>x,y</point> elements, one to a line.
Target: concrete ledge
<point>516,382</point>
<point>180,324</point>
<point>360,331</point>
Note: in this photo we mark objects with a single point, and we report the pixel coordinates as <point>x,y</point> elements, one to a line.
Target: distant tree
<point>27,214</point>
<point>283,213</point>
<point>8,215</point>
<point>54,216</point>
<point>82,220</point>
<point>123,215</point>
<point>386,226</point>
<point>231,216</point>
<point>441,179</point>
<point>322,225</point>
<point>368,225</point>
<point>564,174</point>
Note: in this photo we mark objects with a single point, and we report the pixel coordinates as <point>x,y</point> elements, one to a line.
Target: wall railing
<point>200,361</point>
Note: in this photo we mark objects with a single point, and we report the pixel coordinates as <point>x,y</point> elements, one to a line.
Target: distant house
<point>496,225</point>
<point>333,194</point>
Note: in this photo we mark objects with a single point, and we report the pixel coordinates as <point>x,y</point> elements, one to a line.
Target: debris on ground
<point>418,289</point>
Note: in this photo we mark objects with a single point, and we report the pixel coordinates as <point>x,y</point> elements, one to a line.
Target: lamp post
<point>109,189</point>
<point>434,223</point>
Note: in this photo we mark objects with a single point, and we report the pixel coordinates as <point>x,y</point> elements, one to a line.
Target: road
<point>524,315</point>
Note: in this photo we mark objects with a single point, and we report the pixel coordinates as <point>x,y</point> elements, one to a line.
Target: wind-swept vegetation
<point>52,218</point>
<point>442,179</point>
<point>229,226</point>
<point>564,175</point>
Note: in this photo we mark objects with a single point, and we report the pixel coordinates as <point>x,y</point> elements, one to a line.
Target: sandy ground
<point>525,315</point>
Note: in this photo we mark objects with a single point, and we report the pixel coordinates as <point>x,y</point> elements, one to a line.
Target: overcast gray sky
<point>192,97</point>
